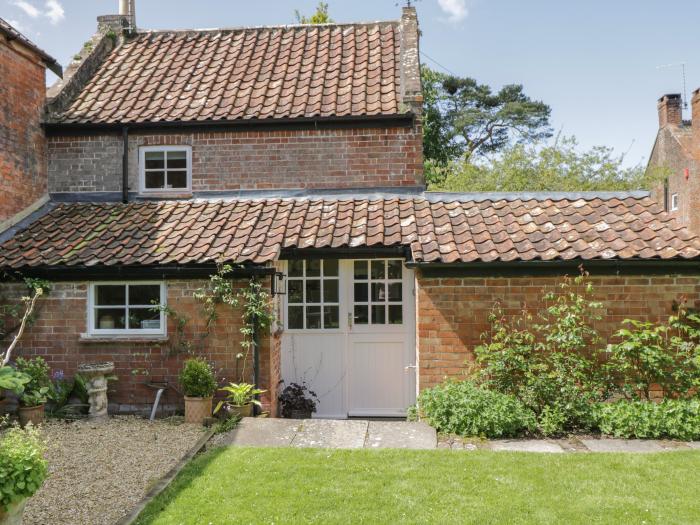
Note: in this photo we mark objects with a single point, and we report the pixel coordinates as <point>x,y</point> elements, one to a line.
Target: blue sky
<point>595,62</point>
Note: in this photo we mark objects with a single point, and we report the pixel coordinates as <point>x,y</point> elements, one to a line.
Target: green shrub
<point>550,359</point>
<point>22,466</point>
<point>197,378</point>
<point>672,419</point>
<point>663,354</point>
<point>466,409</point>
<point>38,390</point>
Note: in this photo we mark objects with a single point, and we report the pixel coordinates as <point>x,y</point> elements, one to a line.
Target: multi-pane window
<point>313,295</point>
<point>127,308</point>
<point>378,292</point>
<point>675,202</point>
<point>165,168</point>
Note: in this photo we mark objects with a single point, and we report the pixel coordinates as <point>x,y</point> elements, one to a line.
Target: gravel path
<point>98,472</point>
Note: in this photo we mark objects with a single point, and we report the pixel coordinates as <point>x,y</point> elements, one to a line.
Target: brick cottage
<point>294,153</point>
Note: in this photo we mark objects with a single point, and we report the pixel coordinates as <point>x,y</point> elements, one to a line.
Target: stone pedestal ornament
<point>95,374</point>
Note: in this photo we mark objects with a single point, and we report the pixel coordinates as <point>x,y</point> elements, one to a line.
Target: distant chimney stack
<point>670,110</point>
<point>124,21</point>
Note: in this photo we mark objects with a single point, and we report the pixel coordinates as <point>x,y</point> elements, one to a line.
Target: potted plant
<point>297,401</point>
<point>23,469</point>
<point>36,391</point>
<point>198,384</point>
<point>240,399</point>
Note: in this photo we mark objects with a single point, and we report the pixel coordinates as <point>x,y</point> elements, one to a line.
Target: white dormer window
<point>675,201</point>
<point>165,169</point>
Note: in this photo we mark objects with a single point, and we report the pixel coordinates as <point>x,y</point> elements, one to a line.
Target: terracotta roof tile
<point>256,73</point>
<point>257,231</point>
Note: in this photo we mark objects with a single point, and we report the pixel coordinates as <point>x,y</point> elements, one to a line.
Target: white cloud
<point>54,11</point>
<point>28,8</point>
<point>455,9</point>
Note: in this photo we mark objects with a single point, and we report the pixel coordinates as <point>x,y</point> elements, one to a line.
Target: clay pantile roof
<point>11,33</point>
<point>257,231</point>
<point>305,71</point>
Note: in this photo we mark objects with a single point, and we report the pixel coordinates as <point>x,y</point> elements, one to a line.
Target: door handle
<point>407,368</point>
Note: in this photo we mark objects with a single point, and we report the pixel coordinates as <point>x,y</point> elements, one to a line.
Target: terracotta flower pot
<point>33,415</point>
<point>13,515</point>
<point>197,409</point>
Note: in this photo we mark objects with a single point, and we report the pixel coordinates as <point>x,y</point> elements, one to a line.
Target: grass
<point>245,485</point>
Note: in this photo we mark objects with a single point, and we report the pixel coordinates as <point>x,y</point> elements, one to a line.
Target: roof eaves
<point>13,34</point>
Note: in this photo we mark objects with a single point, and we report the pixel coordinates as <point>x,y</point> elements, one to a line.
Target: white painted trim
<point>675,202</point>
<point>142,169</point>
<point>117,333</point>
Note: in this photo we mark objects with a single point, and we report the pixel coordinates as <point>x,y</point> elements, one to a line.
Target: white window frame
<point>322,277</point>
<point>675,202</point>
<point>94,331</point>
<point>386,281</point>
<point>142,169</point>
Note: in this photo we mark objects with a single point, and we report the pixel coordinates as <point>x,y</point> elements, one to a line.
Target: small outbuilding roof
<point>258,231</point>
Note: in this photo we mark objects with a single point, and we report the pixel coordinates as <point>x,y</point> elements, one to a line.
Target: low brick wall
<point>61,320</point>
<point>453,312</point>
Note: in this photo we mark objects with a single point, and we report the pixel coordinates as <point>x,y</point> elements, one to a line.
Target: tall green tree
<point>558,165</point>
<point>321,15</point>
<point>463,118</point>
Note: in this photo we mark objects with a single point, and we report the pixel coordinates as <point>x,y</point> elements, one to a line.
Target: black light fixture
<point>279,284</point>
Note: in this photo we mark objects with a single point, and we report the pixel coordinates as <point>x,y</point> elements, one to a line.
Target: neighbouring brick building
<point>677,151</point>
<point>22,140</point>
<point>295,153</point>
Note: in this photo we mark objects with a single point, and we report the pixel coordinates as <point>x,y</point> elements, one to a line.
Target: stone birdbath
<point>97,387</point>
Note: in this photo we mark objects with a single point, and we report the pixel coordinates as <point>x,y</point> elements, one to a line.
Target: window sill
<point>166,195</point>
<point>119,339</point>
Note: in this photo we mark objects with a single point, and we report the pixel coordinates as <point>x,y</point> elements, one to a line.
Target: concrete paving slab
<point>622,445</point>
<point>526,445</point>
<point>400,434</point>
<point>263,432</point>
<point>328,433</point>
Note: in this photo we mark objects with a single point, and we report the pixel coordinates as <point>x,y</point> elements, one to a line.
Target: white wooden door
<point>381,339</point>
<point>356,350</point>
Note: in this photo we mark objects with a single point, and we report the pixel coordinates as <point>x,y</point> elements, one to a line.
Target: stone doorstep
<point>329,433</point>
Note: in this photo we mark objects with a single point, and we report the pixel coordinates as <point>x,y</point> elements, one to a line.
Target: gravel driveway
<point>98,472</point>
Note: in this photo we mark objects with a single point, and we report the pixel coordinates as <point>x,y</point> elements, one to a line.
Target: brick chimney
<point>670,110</point>
<point>411,88</point>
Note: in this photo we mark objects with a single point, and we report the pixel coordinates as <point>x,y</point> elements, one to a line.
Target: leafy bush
<point>197,378</point>
<point>673,419</point>
<point>663,354</point>
<point>11,379</point>
<point>22,466</point>
<point>465,409</point>
<point>38,389</point>
<point>550,360</point>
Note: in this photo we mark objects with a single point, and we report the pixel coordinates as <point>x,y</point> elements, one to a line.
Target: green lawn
<point>227,486</point>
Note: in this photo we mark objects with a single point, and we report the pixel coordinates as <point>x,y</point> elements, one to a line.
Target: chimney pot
<point>670,110</point>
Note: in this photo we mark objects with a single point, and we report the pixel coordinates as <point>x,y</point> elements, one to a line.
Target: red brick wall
<point>329,158</point>
<point>62,318</point>
<point>453,312</point>
<point>22,141</point>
